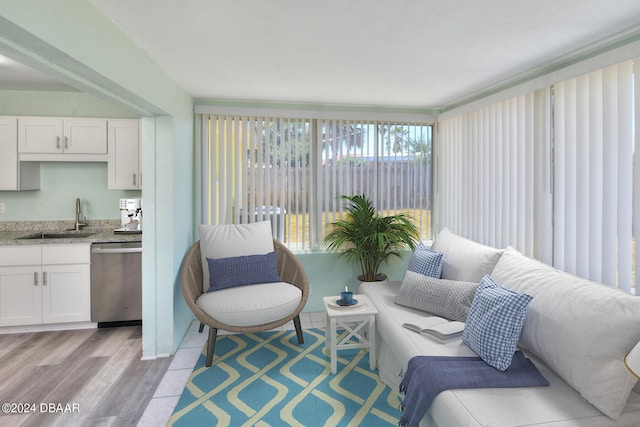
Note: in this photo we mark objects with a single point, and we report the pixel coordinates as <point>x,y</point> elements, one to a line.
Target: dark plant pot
<point>381,277</point>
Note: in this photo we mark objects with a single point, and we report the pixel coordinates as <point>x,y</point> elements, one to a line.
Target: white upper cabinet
<point>39,135</point>
<point>27,141</point>
<point>124,155</point>
<point>85,136</point>
<point>15,175</point>
<point>70,136</point>
<point>8,153</point>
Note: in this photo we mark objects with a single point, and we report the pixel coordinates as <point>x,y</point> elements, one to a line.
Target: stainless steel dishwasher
<point>116,283</point>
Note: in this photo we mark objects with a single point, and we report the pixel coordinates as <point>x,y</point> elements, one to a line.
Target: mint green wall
<point>74,41</point>
<point>61,183</point>
<point>328,275</point>
<point>59,104</point>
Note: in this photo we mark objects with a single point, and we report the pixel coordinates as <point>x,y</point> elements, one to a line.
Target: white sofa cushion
<point>464,259</point>
<point>580,329</point>
<point>251,305</point>
<point>232,240</point>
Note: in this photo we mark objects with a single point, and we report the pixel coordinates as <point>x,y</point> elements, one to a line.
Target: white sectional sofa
<point>576,333</point>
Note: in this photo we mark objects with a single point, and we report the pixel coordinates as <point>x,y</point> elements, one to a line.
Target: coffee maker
<point>130,216</point>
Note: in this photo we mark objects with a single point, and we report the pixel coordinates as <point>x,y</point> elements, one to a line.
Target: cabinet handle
<point>134,179</point>
<point>44,278</point>
<point>66,142</point>
<point>35,278</point>
<point>58,142</point>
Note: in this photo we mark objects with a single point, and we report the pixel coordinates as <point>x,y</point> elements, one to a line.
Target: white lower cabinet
<point>20,296</point>
<point>66,294</point>
<point>44,284</point>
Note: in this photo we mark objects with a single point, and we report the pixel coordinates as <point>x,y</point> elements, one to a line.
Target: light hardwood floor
<point>92,377</point>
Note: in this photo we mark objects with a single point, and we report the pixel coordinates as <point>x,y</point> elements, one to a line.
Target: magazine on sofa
<point>438,328</point>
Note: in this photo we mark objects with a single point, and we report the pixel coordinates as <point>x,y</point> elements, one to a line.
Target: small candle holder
<point>346,298</point>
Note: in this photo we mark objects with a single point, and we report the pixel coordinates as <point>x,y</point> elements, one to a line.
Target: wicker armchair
<point>290,271</point>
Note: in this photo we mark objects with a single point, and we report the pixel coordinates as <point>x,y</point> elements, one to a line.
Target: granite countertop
<point>11,233</point>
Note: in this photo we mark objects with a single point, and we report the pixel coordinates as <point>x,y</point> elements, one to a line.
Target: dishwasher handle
<point>99,250</point>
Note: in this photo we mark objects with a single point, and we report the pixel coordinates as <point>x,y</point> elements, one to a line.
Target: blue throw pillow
<point>426,262</point>
<point>494,323</point>
<point>242,270</point>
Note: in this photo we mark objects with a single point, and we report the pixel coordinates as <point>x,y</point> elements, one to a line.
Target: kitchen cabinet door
<point>66,283</point>
<point>8,153</point>
<point>40,135</point>
<point>45,284</point>
<point>124,155</point>
<point>20,296</point>
<point>51,135</point>
<point>13,174</point>
<point>66,293</point>
<point>85,136</point>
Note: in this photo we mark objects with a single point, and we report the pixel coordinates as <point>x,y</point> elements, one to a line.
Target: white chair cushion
<point>251,305</point>
<point>233,240</point>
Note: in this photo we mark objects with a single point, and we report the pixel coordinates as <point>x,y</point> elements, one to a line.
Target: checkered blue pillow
<point>494,323</point>
<point>426,262</point>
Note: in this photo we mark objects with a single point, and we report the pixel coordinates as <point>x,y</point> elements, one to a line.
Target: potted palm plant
<point>367,238</point>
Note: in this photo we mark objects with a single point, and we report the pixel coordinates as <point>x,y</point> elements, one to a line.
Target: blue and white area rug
<point>268,379</point>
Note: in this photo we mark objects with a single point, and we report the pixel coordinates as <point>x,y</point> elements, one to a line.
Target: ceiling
<point>403,53</point>
<point>16,76</point>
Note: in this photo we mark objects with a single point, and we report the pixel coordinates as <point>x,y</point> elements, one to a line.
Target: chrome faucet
<point>78,224</point>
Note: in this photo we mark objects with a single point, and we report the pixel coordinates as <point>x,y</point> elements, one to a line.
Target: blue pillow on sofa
<point>242,270</point>
<point>426,262</point>
<point>494,323</point>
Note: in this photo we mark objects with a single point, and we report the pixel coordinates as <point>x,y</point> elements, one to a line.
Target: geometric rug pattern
<point>268,379</point>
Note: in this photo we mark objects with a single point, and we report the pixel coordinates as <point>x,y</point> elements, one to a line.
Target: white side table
<point>353,320</point>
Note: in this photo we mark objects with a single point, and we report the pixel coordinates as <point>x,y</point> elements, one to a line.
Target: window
<point>293,170</point>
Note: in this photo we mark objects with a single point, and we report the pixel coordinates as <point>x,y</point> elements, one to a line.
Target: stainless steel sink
<point>58,235</point>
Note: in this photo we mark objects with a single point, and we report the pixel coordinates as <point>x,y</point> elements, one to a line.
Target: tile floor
<point>168,392</point>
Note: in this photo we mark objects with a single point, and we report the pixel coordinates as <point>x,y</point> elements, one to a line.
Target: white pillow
<point>580,329</point>
<point>232,240</point>
<point>463,259</point>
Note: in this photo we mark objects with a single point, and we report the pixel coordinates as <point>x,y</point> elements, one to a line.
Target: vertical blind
<point>255,169</point>
<point>494,174</point>
<point>292,171</point>
<point>389,162</point>
<point>551,173</point>
<point>593,197</point>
